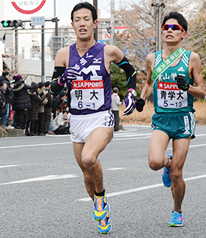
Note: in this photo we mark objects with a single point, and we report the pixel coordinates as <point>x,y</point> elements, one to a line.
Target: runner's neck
<point>85,47</point>
<point>168,50</point>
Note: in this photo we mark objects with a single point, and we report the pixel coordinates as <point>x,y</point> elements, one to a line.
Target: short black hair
<point>179,17</point>
<point>41,84</point>
<point>2,83</point>
<point>64,110</point>
<point>85,5</point>
<point>47,83</point>
<point>62,94</point>
<point>5,73</point>
<point>34,88</point>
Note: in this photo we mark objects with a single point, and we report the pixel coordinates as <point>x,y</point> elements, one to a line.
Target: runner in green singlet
<point>173,94</point>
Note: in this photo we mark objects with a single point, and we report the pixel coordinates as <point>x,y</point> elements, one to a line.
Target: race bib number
<point>87,94</point>
<point>170,96</point>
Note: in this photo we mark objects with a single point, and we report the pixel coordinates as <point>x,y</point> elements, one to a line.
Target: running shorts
<point>175,125</point>
<point>82,125</point>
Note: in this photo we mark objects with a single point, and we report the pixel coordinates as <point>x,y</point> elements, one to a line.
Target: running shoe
<point>166,175</point>
<point>100,207</point>
<point>177,219</point>
<point>105,225</point>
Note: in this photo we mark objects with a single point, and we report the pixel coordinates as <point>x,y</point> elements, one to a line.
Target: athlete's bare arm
<point>148,87</point>
<point>112,54</point>
<point>196,73</point>
<point>62,57</point>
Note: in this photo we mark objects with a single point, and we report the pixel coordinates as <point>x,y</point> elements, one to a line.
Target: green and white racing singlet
<point>168,98</point>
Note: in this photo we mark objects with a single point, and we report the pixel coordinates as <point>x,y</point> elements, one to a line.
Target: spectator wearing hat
<point>21,101</point>
<point>47,108</point>
<point>6,77</point>
<point>115,107</point>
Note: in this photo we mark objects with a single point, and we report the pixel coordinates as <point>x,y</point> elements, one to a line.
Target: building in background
<point>25,47</point>
<point>23,44</point>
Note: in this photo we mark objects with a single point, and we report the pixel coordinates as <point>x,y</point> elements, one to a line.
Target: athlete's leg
<point>95,143</point>
<point>180,149</point>
<point>89,184</point>
<point>158,144</point>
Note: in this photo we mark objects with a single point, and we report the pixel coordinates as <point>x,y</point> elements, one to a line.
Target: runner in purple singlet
<point>85,68</point>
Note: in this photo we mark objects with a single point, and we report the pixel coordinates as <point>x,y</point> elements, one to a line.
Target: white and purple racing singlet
<point>91,91</point>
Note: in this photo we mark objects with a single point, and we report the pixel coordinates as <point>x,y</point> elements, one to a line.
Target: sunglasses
<point>173,27</point>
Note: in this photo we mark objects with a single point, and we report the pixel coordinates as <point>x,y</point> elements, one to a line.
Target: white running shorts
<point>82,125</point>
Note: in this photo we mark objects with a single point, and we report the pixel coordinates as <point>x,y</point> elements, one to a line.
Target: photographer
<point>61,123</point>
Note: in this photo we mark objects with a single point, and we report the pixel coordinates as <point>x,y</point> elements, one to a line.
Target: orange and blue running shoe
<point>105,225</point>
<point>177,219</point>
<point>100,207</point>
<point>166,175</point>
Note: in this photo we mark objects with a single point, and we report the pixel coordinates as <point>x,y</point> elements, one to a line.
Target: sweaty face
<point>83,24</point>
<point>172,36</point>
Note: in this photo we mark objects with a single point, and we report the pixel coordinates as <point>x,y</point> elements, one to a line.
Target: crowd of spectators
<point>32,108</point>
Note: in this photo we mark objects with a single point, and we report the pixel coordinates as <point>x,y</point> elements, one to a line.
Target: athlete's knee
<point>154,164</point>
<point>88,160</point>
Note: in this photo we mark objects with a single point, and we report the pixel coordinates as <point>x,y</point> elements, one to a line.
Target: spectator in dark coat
<point>6,77</point>
<point>47,108</point>
<point>3,87</point>
<point>32,113</point>
<point>41,110</point>
<point>21,101</point>
<point>57,103</point>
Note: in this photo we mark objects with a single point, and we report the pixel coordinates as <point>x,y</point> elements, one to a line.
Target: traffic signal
<point>11,23</point>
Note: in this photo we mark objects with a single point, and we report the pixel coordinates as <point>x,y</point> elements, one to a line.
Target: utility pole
<point>96,29</point>
<point>112,23</point>
<point>42,55</point>
<point>16,50</point>
<point>55,19</point>
<point>55,5</point>
<point>158,15</point>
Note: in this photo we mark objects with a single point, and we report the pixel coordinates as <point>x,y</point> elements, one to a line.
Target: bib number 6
<point>80,104</point>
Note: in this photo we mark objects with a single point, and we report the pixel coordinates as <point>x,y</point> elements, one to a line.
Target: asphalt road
<point>42,192</point>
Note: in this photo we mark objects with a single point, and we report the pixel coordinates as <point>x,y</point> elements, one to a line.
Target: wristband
<point>132,91</point>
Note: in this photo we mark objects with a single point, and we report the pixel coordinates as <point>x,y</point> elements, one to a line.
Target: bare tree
<point>140,38</point>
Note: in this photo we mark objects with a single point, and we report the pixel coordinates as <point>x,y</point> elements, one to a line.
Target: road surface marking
<point>8,166</point>
<point>134,190</point>
<point>44,178</point>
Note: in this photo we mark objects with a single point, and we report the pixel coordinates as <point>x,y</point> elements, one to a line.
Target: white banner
<point>25,9</point>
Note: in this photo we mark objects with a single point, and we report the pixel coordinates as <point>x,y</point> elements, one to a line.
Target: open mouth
<point>82,30</point>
